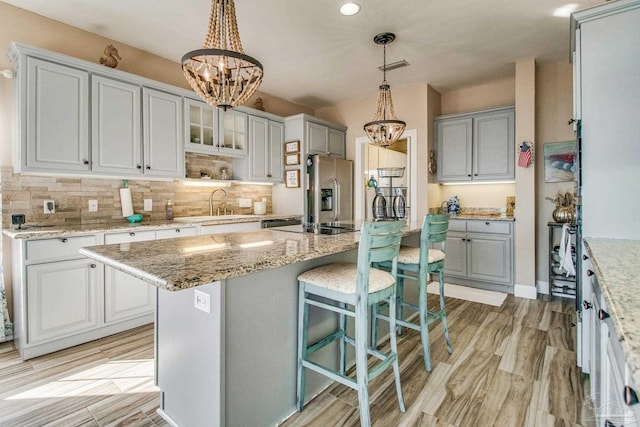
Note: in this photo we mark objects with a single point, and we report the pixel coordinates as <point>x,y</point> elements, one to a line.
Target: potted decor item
<point>565,207</point>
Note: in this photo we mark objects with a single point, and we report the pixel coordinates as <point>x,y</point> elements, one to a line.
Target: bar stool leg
<point>443,311</point>
<point>362,375</point>
<point>424,320</point>
<point>303,318</point>
<point>394,349</point>
<point>343,341</point>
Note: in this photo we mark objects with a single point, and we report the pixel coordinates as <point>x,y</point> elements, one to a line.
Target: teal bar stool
<point>422,261</point>
<point>351,290</point>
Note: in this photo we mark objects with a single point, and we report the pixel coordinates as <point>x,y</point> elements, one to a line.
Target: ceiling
<point>315,57</point>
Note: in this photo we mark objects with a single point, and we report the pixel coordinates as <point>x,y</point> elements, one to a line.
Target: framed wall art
<point>559,161</point>
<point>292,147</point>
<point>291,159</point>
<point>292,178</point>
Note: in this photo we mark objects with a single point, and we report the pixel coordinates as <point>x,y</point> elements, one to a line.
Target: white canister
<point>259,208</point>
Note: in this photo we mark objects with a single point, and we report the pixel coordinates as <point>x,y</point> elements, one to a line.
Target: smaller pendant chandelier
<point>385,128</point>
<point>220,72</point>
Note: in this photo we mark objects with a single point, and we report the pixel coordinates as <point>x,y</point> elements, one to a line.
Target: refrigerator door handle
<point>336,204</point>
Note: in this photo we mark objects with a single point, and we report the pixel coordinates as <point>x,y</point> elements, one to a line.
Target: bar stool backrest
<point>434,230</point>
<point>379,241</point>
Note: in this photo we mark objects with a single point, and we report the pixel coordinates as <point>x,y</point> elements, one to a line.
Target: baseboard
<point>525,291</point>
<point>543,287</point>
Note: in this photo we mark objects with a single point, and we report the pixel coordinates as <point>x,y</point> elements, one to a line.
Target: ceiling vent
<point>394,65</point>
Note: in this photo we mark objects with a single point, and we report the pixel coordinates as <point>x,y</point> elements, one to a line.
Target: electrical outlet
<point>49,206</point>
<point>244,203</point>
<point>202,301</point>
<point>93,205</point>
<point>148,204</point>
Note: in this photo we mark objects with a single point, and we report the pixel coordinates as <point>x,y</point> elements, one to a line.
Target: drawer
<point>129,236</point>
<point>171,233</point>
<point>457,225</point>
<point>62,247</point>
<point>496,227</point>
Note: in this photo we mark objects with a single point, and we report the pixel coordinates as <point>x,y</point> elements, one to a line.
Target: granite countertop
<point>70,230</point>
<point>616,263</point>
<point>176,264</point>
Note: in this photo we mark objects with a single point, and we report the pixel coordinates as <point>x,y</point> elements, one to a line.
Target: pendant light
<point>385,129</point>
<point>220,72</point>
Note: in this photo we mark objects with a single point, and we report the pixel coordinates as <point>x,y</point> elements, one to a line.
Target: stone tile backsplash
<point>26,193</point>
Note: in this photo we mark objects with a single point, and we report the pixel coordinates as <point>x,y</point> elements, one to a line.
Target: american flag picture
<point>524,158</point>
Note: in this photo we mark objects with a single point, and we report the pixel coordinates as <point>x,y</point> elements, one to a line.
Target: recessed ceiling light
<point>349,8</point>
<point>566,10</point>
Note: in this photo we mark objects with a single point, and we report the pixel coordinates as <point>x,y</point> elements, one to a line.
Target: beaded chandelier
<point>220,72</point>
<point>385,128</point>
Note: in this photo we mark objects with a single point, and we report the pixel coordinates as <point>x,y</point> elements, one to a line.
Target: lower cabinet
<point>125,296</point>
<point>62,299</point>
<point>480,254</point>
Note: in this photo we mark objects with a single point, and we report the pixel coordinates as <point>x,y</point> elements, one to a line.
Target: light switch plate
<point>148,204</point>
<point>202,301</point>
<point>244,203</point>
<point>93,205</point>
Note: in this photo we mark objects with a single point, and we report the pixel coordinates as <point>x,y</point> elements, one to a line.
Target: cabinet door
<point>234,129</point>
<point>317,139</point>
<point>162,130</point>
<point>201,127</point>
<point>454,145</point>
<point>489,258</point>
<point>57,118</point>
<point>126,297</point>
<point>276,140</point>
<point>494,146</point>
<point>62,299</point>
<point>115,127</point>
<point>337,143</point>
<point>455,261</point>
<point>259,152</point>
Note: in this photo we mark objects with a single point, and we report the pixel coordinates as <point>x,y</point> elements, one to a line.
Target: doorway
<point>367,161</point>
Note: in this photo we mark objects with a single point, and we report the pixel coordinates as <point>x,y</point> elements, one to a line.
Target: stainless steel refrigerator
<point>330,191</point>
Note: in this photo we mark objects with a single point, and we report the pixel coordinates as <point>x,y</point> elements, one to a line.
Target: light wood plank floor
<point>512,365</point>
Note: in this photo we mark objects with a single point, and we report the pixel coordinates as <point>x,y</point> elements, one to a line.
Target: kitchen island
<point>226,319</point>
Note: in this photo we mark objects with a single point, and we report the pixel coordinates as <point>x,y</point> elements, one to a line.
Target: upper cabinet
<point>478,146</point>
<point>74,116</point>
<point>322,139</point>
<point>233,133</point>
<point>264,162</point>
<point>201,125</point>
<point>53,130</point>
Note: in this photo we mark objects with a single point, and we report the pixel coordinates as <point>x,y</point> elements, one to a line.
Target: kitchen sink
<point>203,218</point>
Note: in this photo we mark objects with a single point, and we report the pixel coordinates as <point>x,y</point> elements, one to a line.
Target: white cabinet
<point>321,139</point>
<point>201,126</point>
<point>264,162</point>
<point>134,124</point>
<point>162,134</point>
<point>480,253</point>
<point>53,116</point>
<point>62,299</point>
<point>116,146</point>
<point>476,146</point>
<point>233,133</point>
<point>125,296</point>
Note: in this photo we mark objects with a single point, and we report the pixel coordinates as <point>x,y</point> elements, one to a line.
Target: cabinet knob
<point>590,273</point>
<point>602,314</point>
<point>86,162</point>
<point>132,234</point>
<point>475,174</point>
<point>63,240</point>
<point>469,175</point>
<point>138,167</point>
<point>177,230</point>
<point>587,305</point>
<point>148,167</point>
<point>92,265</point>
<point>487,223</point>
<point>584,257</point>
<point>630,396</point>
<point>468,240</point>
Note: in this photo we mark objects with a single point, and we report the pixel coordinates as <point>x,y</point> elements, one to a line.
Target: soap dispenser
<point>169,211</point>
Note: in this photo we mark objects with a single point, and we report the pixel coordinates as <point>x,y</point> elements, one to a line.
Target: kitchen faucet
<point>211,201</point>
